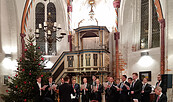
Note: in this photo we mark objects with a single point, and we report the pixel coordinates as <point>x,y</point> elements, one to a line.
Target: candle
<point>49,32</point>
<point>40,26</point>
<point>54,24</point>
<point>37,30</point>
<point>45,23</point>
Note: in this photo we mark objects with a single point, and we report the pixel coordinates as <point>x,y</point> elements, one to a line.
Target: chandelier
<point>50,27</point>
<point>49,31</point>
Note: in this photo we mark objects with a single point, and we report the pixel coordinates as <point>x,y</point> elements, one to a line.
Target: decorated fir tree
<point>20,87</point>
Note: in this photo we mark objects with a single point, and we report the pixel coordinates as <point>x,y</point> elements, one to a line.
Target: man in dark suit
<point>111,91</point>
<point>93,84</point>
<point>76,89</point>
<point>161,84</point>
<point>124,86</point>
<point>160,97</point>
<point>136,88</point>
<point>146,90</point>
<point>50,90</point>
<point>65,91</point>
<point>38,90</point>
<point>86,90</point>
<point>130,80</point>
<point>97,91</point>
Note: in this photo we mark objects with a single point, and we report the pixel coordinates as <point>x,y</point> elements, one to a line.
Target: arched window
<point>155,27</point>
<point>51,16</point>
<point>150,28</point>
<point>39,19</point>
<point>50,13</point>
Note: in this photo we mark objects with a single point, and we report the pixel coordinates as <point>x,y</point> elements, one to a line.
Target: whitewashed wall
<point>130,33</point>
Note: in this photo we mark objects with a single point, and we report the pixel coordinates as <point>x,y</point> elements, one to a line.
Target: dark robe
<point>65,91</point>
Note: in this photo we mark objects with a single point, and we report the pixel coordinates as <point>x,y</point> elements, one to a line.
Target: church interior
<point>81,38</point>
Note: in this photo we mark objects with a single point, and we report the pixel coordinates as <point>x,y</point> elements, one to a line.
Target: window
<point>155,28</point>
<point>95,59</point>
<point>52,10</point>
<point>87,57</point>
<point>81,60</point>
<point>39,19</point>
<point>70,61</point>
<point>144,23</point>
<point>40,12</point>
<point>149,39</point>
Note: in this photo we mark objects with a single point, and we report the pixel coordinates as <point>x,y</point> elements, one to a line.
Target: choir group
<point>128,90</point>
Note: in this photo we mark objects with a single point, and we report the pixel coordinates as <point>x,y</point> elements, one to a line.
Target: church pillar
<point>23,44</point>
<point>70,41</point>
<point>69,10</point>
<point>162,46</point>
<point>115,68</point>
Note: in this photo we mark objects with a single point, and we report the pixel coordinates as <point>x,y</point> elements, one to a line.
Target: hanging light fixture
<point>50,27</point>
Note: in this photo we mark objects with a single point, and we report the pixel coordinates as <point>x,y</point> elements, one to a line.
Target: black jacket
<point>97,95</point>
<point>38,97</point>
<point>146,94</point>
<point>48,92</point>
<point>77,88</point>
<point>124,88</point>
<point>111,93</point>
<point>163,98</point>
<point>87,93</point>
<point>137,88</point>
<point>65,91</point>
<point>163,86</point>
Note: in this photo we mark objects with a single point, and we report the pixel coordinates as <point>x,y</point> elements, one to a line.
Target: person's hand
<point>121,89</point>
<point>118,89</point>
<point>132,92</point>
<point>128,88</point>
<point>49,88</point>
<point>54,89</point>
<point>74,90</point>
<point>42,88</point>
<point>86,89</point>
<point>142,91</point>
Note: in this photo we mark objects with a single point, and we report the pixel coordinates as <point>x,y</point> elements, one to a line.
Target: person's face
<point>74,81</point>
<point>129,81</point>
<point>68,81</point>
<point>144,80</point>
<point>94,78</point>
<point>62,80</point>
<point>111,79</point>
<point>50,80</point>
<point>123,78</point>
<point>117,81</point>
<point>134,77</point>
<point>97,81</point>
<point>157,92</point>
<point>39,80</point>
<point>158,78</point>
<point>85,80</point>
<point>108,78</point>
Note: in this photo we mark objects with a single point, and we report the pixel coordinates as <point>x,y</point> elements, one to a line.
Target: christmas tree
<point>20,87</point>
